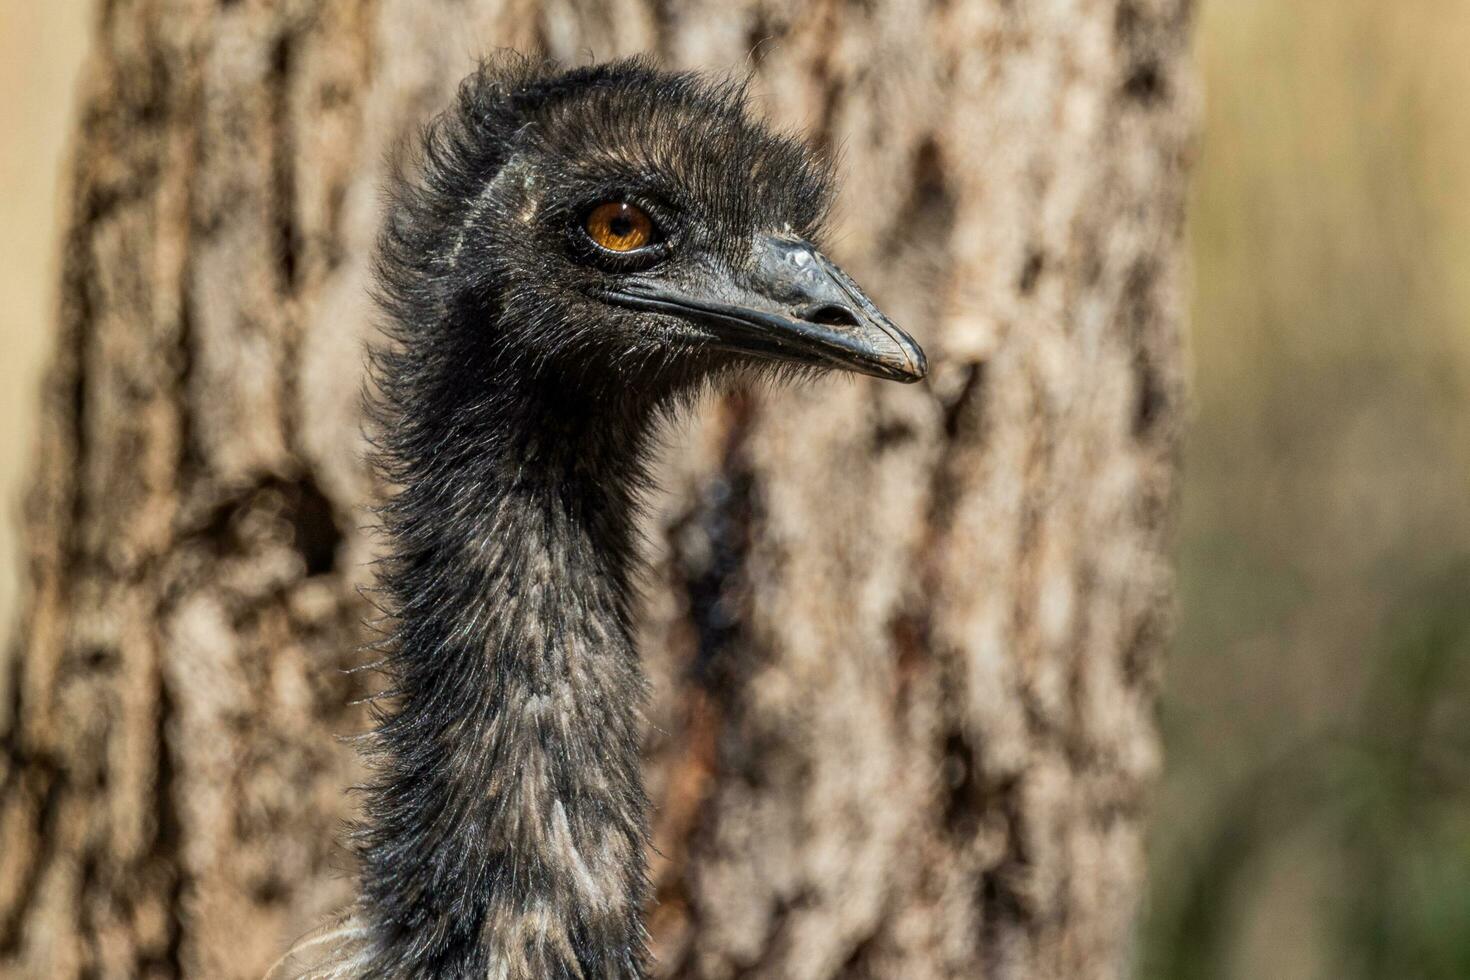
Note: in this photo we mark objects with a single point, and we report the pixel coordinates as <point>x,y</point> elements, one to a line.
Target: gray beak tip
<point>918,366</point>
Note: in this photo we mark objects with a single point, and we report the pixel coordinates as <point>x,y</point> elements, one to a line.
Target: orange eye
<point>619,227</point>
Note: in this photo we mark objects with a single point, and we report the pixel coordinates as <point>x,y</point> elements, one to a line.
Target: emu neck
<point>507,831</point>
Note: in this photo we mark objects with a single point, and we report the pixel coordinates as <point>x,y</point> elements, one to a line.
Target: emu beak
<point>794,304</point>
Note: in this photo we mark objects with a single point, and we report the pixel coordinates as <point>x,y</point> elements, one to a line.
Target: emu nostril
<point>831,315</point>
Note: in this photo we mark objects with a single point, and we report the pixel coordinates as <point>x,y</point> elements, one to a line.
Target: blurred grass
<point>1315,818</point>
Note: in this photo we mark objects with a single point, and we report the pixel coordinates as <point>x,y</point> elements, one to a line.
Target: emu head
<point>620,226</point>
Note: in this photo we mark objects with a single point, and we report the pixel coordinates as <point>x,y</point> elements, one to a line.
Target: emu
<point>579,254</point>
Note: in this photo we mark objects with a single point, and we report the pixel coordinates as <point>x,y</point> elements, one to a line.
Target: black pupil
<point>621,226</point>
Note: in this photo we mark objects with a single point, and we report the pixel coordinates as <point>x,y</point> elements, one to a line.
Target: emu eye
<point>618,226</point>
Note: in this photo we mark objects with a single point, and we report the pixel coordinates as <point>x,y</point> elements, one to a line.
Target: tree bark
<point>904,640</point>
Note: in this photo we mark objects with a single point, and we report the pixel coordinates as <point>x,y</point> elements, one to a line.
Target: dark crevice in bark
<point>711,548</point>
<point>1031,271</point>
<point>921,238</point>
<point>957,768</point>
<point>307,513</point>
<point>1145,83</point>
<point>168,832</point>
<point>960,414</point>
<point>1004,909</point>
<point>859,964</point>
<point>283,160</point>
<point>909,635</point>
<point>289,243</point>
<point>963,422</point>
<point>917,235</point>
<point>1146,39</point>
<point>927,216</point>
<point>712,586</point>
<point>823,138</point>
<point>1152,399</point>
<point>190,462</point>
<point>79,331</point>
<point>891,433</point>
<point>90,927</point>
<point>316,530</point>
<point>10,732</point>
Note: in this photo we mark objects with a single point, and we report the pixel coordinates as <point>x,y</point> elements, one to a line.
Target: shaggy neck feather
<point>507,829</point>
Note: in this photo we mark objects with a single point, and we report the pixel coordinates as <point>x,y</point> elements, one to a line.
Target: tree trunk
<point>904,640</point>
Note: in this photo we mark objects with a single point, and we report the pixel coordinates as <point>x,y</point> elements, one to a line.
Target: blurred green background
<point>1315,817</point>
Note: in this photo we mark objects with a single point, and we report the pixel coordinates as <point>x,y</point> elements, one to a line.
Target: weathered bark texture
<point>904,640</point>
